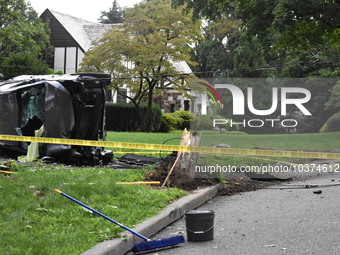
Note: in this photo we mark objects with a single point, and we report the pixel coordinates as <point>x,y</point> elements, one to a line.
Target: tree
<point>24,63</point>
<point>294,38</point>
<point>212,10</point>
<point>21,32</point>
<point>307,23</point>
<point>145,50</point>
<point>333,103</point>
<point>214,52</point>
<point>113,16</point>
<point>279,39</point>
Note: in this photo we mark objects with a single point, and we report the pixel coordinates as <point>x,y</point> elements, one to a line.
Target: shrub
<point>186,118</point>
<point>170,122</point>
<point>332,124</point>
<point>204,122</point>
<point>23,63</point>
<point>124,117</point>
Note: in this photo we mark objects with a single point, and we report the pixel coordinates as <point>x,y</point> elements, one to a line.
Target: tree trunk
<point>139,115</point>
<point>148,119</point>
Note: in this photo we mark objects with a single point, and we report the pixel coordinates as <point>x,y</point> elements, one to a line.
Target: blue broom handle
<point>104,216</point>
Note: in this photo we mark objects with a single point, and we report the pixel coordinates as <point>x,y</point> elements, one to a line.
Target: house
<point>71,37</point>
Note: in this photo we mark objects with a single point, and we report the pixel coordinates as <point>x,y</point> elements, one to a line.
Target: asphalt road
<point>271,221</point>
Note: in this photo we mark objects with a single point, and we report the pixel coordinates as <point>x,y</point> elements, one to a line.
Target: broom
<point>141,246</point>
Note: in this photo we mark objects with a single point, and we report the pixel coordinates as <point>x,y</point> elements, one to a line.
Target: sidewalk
<point>271,221</point>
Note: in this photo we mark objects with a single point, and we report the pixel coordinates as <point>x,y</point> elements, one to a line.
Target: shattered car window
<point>66,106</point>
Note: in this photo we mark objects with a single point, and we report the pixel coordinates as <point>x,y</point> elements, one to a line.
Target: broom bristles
<point>158,244</point>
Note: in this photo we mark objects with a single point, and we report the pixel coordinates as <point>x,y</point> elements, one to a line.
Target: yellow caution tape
<point>163,147</point>
<point>137,152</point>
<point>6,172</point>
<point>139,183</point>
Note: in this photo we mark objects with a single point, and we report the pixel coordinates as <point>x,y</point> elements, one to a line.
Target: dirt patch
<point>231,187</point>
<point>161,172</point>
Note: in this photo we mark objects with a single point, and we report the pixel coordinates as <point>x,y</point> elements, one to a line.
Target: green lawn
<point>36,220</point>
<point>172,138</point>
<point>317,141</point>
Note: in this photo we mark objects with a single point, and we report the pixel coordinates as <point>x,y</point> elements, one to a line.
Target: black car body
<point>69,106</point>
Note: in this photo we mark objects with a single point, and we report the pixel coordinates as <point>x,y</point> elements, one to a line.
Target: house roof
<point>182,67</point>
<point>84,32</point>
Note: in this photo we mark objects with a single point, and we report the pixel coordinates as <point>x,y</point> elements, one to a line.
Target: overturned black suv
<point>66,106</point>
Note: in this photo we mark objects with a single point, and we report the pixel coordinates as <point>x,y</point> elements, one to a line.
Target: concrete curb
<point>153,225</point>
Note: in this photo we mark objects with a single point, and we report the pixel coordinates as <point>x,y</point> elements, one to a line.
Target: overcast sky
<point>88,10</point>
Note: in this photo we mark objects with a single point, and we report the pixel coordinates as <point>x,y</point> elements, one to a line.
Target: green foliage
<point>113,16</point>
<point>21,32</point>
<point>170,122</point>
<point>333,124</point>
<point>36,220</point>
<point>51,71</point>
<point>333,103</point>
<point>287,38</point>
<point>151,39</point>
<point>219,40</point>
<point>178,120</point>
<point>186,117</point>
<point>306,23</point>
<point>209,9</point>
<point>324,128</point>
<point>203,122</point>
<point>23,63</point>
<point>155,116</point>
<point>124,117</point>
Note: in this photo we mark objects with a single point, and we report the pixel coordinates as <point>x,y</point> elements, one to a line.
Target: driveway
<point>291,220</point>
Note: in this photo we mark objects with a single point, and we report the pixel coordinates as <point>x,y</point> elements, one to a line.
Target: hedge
<point>124,117</point>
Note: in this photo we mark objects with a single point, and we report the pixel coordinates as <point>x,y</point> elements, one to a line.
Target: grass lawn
<point>317,141</point>
<point>36,220</point>
<point>172,138</point>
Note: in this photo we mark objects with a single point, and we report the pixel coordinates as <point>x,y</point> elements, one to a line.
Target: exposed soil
<point>243,185</point>
<point>161,171</point>
<point>231,187</point>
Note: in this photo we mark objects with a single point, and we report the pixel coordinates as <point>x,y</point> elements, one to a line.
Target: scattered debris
<point>221,146</point>
<point>132,161</point>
